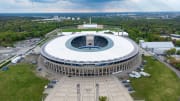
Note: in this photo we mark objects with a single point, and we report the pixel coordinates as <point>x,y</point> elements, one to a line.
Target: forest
<point>146,29</point>
<point>13,29</point>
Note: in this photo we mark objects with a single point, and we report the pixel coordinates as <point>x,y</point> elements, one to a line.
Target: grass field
<point>19,83</point>
<point>163,85</point>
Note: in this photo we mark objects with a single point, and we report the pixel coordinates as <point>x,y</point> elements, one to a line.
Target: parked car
<point>145,74</point>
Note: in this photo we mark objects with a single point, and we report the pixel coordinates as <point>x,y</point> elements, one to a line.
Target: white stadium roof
<point>121,48</point>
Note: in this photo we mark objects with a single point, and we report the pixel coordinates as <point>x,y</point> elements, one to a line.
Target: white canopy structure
<point>57,48</point>
<point>157,47</point>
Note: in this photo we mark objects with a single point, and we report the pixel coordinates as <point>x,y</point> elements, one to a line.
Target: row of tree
<point>172,51</point>
<point>174,62</point>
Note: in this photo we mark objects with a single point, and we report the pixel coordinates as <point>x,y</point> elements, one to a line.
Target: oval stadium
<point>94,54</point>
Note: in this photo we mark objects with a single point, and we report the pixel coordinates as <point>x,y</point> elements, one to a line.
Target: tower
<point>90,20</point>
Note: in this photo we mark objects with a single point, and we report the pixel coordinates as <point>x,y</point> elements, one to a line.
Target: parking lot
<point>20,48</point>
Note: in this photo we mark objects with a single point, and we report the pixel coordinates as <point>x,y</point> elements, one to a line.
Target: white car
<point>145,74</point>
<point>131,75</point>
<point>134,76</point>
<point>137,75</point>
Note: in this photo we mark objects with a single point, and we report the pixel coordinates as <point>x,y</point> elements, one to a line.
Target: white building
<point>90,54</point>
<point>120,33</point>
<point>78,18</point>
<point>90,25</point>
<point>157,47</point>
<point>175,36</point>
<point>65,33</point>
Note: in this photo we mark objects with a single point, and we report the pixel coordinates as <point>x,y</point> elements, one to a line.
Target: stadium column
<point>102,71</point>
<point>74,72</point>
<point>83,72</point>
<point>109,71</point>
<point>117,67</point>
<point>113,68</point>
<point>79,71</point>
<point>64,70</point>
<point>55,68</point>
<point>98,71</point>
<point>106,70</point>
<point>68,70</point>
<point>59,68</point>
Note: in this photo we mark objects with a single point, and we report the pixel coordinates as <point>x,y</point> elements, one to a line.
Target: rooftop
<point>157,45</point>
<point>122,47</point>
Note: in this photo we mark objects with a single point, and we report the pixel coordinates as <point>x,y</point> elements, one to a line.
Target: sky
<point>68,6</point>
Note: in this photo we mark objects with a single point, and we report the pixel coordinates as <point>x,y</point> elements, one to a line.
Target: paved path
<point>53,32</point>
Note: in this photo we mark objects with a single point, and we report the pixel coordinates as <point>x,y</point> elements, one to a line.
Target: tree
<point>103,98</point>
<point>170,52</point>
<point>177,42</point>
<point>174,62</point>
<point>178,52</point>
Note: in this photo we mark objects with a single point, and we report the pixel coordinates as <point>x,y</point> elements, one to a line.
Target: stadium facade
<point>94,54</point>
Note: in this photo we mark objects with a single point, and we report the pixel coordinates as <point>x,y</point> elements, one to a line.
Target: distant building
<point>120,33</point>
<point>90,26</point>
<point>65,33</point>
<point>177,48</point>
<point>56,18</point>
<point>172,36</point>
<point>72,19</point>
<point>175,36</point>
<point>68,18</point>
<point>78,18</point>
<point>157,47</point>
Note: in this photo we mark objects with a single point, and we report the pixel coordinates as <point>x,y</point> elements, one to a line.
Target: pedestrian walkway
<point>109,86</point>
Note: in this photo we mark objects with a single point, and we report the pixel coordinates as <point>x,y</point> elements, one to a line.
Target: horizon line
<point>98,12</point>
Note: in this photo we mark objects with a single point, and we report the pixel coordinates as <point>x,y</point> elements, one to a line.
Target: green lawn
<point>20,83</point>
<point>163,85</point>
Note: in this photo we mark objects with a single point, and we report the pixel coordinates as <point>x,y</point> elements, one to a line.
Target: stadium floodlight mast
<point>97,92</point>
<point>78,92</point>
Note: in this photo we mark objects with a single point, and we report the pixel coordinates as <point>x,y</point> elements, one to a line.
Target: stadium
<point>90,54</point>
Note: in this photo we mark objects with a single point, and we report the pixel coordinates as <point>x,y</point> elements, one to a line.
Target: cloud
<point>74,1</point>
<point>45,1</point>
<point>88,5</point>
